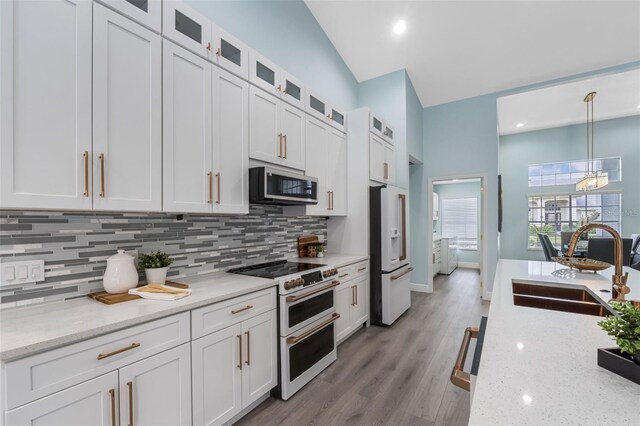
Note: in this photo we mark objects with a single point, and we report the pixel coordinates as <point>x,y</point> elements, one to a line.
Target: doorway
<point>456,225</point>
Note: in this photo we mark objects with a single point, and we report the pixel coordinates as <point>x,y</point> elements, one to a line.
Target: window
<point>570,172</point>
<point>460,220</point>
<point>553,214</point>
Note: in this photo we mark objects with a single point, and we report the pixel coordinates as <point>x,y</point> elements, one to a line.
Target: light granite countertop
<point>539,367</point>
<point>334,260</point>
<point>35,329</point>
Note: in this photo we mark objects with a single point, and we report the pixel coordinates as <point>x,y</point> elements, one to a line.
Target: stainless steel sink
<point>553,298</point>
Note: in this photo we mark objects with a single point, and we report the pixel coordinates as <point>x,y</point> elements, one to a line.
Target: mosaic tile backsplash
<point>75,246</point>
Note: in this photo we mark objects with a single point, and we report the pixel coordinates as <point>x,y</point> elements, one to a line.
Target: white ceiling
<point>618,95</point>
<point>459,49</point>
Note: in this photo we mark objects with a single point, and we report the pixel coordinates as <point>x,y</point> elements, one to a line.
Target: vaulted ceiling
<point>459,49</point>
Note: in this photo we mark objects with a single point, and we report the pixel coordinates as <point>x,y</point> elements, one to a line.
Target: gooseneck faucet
<point>618,280</point>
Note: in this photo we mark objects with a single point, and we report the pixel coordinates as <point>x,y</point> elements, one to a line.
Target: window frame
<point>569,164</point>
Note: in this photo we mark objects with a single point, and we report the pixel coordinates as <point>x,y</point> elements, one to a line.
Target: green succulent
<point>155,259</point>
<point>625,327</point>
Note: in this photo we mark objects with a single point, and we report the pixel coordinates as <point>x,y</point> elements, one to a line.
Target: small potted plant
<point>155,266</point>
<point>320,250</point>
<point>625,329</point>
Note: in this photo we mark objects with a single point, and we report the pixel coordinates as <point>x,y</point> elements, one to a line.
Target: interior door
<point>45,113</point>
<point>187,143</point>
<point>230,143</point>
<point>337,172</point>
<point>260,370</point>
<point>264,135</point>
<point>317,152</point>
<point>217,376</point>
<point>127,112</point>
<point>292,123</point>
<point>93,402</point>
<point>157,390</point>
<point>376,159</point>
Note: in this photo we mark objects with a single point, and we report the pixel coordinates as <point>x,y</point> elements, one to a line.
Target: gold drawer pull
<point>248,361</point>
<point>102,191</point>
<point>130,386</point>
<point>364,268</point>
<point>402,274</point>
<point>295,339</point>
<point>246,308</point>
<point>353,295</point>
<point>342,276</point>
<point>459,377</point>
<point>239,336</point>
<point>112,396</point>
<point>291,299</point>
<point>284,137</point>
<point>85,156</point>
<point>356,287</point>
<point>119,351</point>
<point>210,176</point>
<point>219,180</point>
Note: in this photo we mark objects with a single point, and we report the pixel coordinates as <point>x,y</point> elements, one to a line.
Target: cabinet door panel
<point>264,73</point>
<point>263,121</point>
<point>317,152</point>
<point>390,160</point>
<point>188,28</point>
<point>344,300</point>
<point>45,113</point>
<point>90,403</point>
<point>360,308</point>
<point>146,12</point>
<point>230,53</point>
<point>376,159</point>
<point>337,172</point>
<point>231,143</point>
<point>217,378</point>
<point>260,369</point>
<point>292,123</point>
<point>159,388</point>
<point>187,141</point>
<point>293,91</point>
<point>126,114</point>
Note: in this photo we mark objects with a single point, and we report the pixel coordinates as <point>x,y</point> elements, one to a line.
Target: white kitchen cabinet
<point>321,109</point>
<point>292,90</point>
<point>234,367</point>
<point>187,130</point>
<point>127,90</point>
<point>380,128</point>
<point>230,143</point>
<point>45,113</point>
<point>264,74</point>
<point>390,162</point>
<point>359,310</point>
<point>277,130</point>
<point>436,206</point>
<point>93,402</point>
<point>145,12</point>
<point>157,390</point>
<point>229,52</point>
<point>378,170</point>
<point>352,300</point>
<point>436,257</point>
<point>190,29</point>
<point>326,151</point>
<point>344,299</point>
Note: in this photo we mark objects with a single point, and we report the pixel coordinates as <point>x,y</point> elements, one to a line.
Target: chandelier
<point>592,179</point>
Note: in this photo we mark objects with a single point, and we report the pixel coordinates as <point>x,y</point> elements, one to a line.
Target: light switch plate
<point>13,273</point>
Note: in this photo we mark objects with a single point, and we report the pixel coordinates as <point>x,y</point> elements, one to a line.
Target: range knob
<point>288,285</point>
<point>299,282</point>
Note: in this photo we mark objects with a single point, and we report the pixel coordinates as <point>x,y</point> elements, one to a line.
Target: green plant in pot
<point>155,266</point>
<point>320,250</point>
<point>624,328</point>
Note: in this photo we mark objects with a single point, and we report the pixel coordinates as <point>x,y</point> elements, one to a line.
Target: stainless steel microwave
<point>273,186</point>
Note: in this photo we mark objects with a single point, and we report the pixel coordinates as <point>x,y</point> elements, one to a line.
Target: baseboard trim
<point>421,288</point>
<point>469,265</point>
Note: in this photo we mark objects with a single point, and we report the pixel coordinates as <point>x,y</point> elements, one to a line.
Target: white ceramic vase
<point>156,275</point>
<point>121,274</point>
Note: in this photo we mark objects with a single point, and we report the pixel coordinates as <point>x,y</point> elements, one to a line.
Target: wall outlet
<point>14,273</point>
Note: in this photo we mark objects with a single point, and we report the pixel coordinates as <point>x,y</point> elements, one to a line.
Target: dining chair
<point>635,252</point>
<point>603,249</point>
<point>548,249</point>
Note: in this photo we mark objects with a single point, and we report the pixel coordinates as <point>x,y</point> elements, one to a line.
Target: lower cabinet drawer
<point>219,315</point>
<point>355,270</point>
<point>360,269</point>
<point>40,375</point>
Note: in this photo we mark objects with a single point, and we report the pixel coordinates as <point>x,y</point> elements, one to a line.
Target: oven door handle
<point>291,299</point>
<point>295,339</point>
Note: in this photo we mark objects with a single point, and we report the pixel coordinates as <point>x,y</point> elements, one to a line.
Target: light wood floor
<point>393,375</point>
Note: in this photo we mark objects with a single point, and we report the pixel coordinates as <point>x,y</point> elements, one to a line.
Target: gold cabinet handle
<point>209,47</point>
<point>402,274</point>
<point>119,351</point>
<point>386,170</point>
<point>279,88</point>
<point>291,299</point>
<point>284,137</point>
<point>356,287</point>
<point>239,336</point>
<point>210,176</point>
<point>343,275</point>
<point>218,52</point>
<point>85,156</point>
<point>248,361</point>
<point>459,377</point>
<point>102,191</point>
<point>246,308</point>
<point>362,269</point>
<point>329,200</point>
<point>219,196</point>
<point>332,204</point>
<point>295,339</point>
<point>112,396</point>
<point>353,295</point>
<point>130,386</point>
<point>403,213</point>
<point>279,145</point>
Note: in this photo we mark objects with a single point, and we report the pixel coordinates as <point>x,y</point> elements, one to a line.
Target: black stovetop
<point>276,269</point>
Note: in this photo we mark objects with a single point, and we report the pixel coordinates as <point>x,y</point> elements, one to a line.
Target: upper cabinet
<point>127,93</point>
<point>145,12</point>
<point>380,128</point>
<point>381,161</point>
<point>45,113</point>
<point>319,108</point>
<point>277,130</point>
<point>188,28</point>
<point>229,52</point>
<point>268,76</point>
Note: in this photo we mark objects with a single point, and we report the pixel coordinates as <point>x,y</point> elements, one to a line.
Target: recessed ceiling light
<point>527,399</point>
<point>400,27</point>
<point>520,125</point>
<point>639,106</point>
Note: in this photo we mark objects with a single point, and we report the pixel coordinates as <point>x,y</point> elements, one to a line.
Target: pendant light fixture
<point>592,179</point>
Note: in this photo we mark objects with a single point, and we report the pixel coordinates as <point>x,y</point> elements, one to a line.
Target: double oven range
<point>307,313</point>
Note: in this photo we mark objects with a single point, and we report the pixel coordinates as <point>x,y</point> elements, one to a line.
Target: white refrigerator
<point>390,261</point>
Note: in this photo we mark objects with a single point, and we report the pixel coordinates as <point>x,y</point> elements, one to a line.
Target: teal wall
<point>415,146</point>
<point>287,33</point>
<point>459,190</point>
<point>613,138</point>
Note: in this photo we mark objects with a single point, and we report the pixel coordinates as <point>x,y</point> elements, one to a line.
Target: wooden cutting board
<point>304,241</point>
<point>113,298</point>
